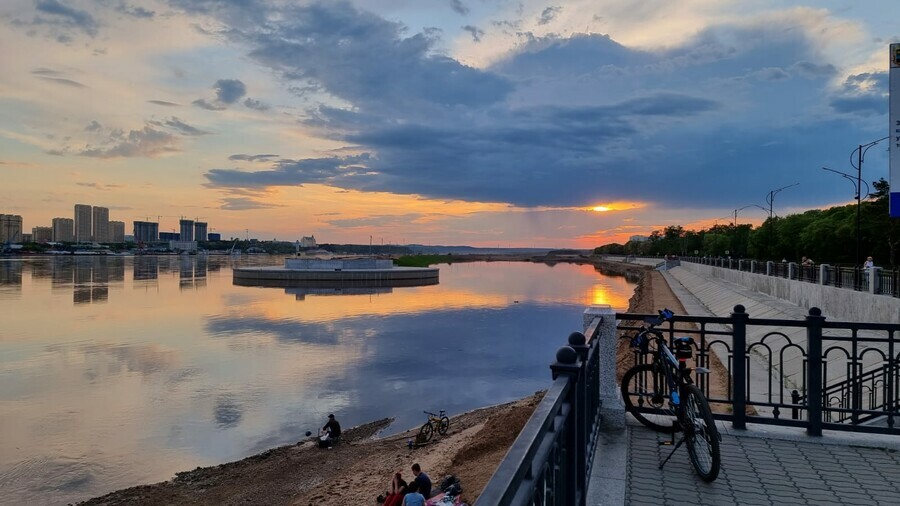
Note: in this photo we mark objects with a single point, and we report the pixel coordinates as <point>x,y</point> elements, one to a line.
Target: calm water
<point>119,371</point>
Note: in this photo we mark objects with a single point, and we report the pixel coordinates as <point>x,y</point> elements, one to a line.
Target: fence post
<point>577,342</point>
<point>753,266</point>
<point>612,409</point>
<point>792,270</point>
<point>739,326</point>
<point>770,268</point>
<point>814,393</point>
<point>567,364</point>
<point>823,274</point>
<point>874,274</point>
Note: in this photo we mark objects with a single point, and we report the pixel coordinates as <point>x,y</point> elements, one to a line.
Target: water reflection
<point>196,371</point>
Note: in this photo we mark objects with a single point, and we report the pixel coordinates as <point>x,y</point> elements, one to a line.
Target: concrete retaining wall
<point>835,303</point>
<point>338,264</point>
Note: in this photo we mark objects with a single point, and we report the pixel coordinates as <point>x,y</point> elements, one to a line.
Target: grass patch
<point>423,260</point>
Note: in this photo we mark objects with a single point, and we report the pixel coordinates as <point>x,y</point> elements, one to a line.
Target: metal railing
<point>886,281</point>
<point>808,373</point>
<point>824,375</point>
<point>550,461</point>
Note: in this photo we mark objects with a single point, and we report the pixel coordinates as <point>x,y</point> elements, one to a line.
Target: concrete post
<point>612,409</point>
<point>823,274</point>
<point>874,274</point>
<point>753,266</point>
<point>792,270</point>
<point>770,268</point>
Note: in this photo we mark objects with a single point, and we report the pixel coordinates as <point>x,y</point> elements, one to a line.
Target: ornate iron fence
<point>808,373</point>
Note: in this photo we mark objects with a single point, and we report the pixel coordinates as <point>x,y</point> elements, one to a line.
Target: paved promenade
<point>760,466</point>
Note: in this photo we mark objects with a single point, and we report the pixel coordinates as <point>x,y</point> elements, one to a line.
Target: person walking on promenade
<point>869,263</point>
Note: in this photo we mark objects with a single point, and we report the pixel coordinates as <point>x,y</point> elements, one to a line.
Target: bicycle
<point>661,395</point>
<point>439,423</point>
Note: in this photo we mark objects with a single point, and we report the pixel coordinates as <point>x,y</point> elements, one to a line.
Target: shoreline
<point>360,467</point>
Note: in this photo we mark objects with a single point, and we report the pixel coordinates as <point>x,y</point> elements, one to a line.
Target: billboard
<point>894,132</point>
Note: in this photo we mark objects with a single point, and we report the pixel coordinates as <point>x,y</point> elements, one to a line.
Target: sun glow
<point>615,206</point>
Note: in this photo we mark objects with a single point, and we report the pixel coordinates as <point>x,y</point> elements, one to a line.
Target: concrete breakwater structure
<point>337,273</point>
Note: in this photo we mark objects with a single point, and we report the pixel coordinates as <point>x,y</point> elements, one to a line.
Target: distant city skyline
<point>450,122</point>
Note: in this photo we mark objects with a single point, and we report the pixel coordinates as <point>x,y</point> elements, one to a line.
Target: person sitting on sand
<point>424,482</point>
<point>332,428</point>
<point>397,491</point>
<point>413,497</point>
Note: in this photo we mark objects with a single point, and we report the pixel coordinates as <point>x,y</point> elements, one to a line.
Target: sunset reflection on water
<point>119,371</point>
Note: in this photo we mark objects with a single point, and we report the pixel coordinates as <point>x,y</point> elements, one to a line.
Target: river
<point>117,371</point>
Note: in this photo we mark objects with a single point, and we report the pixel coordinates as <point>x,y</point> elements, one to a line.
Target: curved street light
<point>745,207</point>
<point>770,198</point>
<point>857,181</point>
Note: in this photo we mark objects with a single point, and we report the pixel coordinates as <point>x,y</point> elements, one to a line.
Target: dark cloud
<point>179,126</point>
<point>145,143</point>
<point>862,94</point>
<point>291,172</point>
<point>256,104</point>
<point>136,12</point>
<point>477,33</point>
<point>93,126</point>
<point>253,158</point>
<point>557,122</point>
<point>548,15</point>
<point>459,7</point>
<point>228,91</point>
<point>164,103</point>
<point>380,68</point>
<point>210,106</point>
<point>65,16</point>
<point>63,81</point>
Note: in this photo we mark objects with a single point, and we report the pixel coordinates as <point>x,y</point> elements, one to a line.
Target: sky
<point>478,122</point>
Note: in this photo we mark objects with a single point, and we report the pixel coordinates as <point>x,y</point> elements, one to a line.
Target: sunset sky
<point>479,122</point>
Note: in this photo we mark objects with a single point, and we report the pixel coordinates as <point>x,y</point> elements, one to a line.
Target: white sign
<point>894,118</point>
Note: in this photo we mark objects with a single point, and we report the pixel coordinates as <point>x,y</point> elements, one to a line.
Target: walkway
<point>761,465</point>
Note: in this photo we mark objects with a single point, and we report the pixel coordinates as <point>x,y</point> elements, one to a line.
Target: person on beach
<point>397,491</point>
<point>422,479</point>
<point>413,497</point>
<point>332,428</point>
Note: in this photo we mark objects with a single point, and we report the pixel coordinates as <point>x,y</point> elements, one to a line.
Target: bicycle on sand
<point>661,395</point>
<point>439,423</point>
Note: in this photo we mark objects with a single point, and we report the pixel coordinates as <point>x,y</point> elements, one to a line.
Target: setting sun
<point>601,209</point>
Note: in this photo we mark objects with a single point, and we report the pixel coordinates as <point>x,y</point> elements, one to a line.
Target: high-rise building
<point>186,230</point>
<point>199,231</point>
<point>63,230</point>
<point>146,231</point>
<point>213,237</point>
<point>10,228</point>
<point>41,234</point>
<point>168,236</point>
<point>117,232</point>
<point>101,225</point>
<point>82,223</point>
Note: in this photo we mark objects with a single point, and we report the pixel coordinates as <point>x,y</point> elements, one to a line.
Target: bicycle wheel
<point>444,426</point>
<point>426,432</point>
<point>647,398</point>
<point>701,434</point>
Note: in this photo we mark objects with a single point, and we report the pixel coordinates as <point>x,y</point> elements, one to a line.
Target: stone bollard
<point>612,409</point>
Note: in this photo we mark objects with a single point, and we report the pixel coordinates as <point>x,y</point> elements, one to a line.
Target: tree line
<point>825,236</point>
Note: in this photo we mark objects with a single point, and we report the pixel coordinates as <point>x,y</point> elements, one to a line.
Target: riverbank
<point>360,467</point>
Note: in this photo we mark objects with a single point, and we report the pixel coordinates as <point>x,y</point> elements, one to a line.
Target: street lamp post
<point>860,157</point>
<point>770,199</point>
